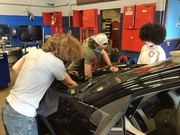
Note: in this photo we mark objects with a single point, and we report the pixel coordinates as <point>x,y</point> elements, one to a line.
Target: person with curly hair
<point>153,34</point>
<point>36,72</point>
<point>92,45</point>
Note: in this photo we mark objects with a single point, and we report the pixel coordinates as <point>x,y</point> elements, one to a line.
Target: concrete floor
<point>3,94</point>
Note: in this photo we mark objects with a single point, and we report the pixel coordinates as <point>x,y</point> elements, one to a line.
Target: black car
<point>137,100</point>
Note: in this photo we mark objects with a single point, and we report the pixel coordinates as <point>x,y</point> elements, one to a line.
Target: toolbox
<point>4,70</point>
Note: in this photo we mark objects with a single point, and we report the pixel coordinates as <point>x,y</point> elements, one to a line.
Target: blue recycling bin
<point>4,70</point>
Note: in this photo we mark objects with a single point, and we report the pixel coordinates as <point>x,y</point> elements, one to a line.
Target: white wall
<point>18,7</point>
<point>67,10</point>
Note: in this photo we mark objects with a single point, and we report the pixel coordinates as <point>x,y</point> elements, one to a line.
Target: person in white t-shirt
<point>153,34</point>
<point>36,72</point>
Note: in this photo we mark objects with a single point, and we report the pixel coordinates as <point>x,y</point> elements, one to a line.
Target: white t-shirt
<point>150,55</point>
<point>37,74</point>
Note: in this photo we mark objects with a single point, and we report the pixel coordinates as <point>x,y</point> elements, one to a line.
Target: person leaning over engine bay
<point>36,71</point>
<point>96,43</point>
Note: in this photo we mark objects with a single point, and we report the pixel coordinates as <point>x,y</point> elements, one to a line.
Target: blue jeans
<point>16,123</point>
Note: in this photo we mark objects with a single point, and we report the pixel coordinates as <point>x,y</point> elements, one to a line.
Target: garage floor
<point>3,94</point>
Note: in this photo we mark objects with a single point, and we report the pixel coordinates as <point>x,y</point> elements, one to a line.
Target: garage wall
<point>105,5</point>
<point>67,11</point>
<point>12,7</point>
<point>62,5</point>
<point>14,14</point>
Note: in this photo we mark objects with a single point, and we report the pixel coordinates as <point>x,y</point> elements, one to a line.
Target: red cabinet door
<point>77,18</point>
<point>144,14</point>
<point>53,30</point>
<point>60,30</point>
<point>127,40</point>
<point>83,34</point>
<point>54,18</point>
<point>87,32</point>
<point>57,16</point>
<point>56,29</point>
<point>46,18</point>
<point>92,31</point>
<point>137,43</point>
<point>90,18</point>
<point>131,41</point>
<point>128,17</point>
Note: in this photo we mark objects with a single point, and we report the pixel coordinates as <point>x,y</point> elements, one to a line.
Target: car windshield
<point>107,81</point>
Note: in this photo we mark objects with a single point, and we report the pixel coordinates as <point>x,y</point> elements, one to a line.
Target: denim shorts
<point>16,123</point>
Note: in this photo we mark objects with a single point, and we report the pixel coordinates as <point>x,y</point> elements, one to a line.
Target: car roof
<point>130,82</point>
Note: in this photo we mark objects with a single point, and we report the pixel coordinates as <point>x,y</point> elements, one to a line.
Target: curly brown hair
<point>64,46</point>
<point>153,32</point>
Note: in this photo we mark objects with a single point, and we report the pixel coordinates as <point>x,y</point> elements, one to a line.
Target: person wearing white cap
<point>92,45</point>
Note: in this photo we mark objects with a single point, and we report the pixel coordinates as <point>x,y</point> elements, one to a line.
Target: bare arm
<point>106,57</point>
<point>87,71</point>
<point>69,82</point>
<point>18,65</point>
<point>108,62</point>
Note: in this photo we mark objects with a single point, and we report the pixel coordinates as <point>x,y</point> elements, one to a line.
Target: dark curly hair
<point>153,32</point>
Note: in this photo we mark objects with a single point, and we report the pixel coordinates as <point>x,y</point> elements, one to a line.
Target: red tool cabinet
<point>57,16</point>
<point>144,14</point>
<point>85,18</point>
<point>47,18</point>
<point>77,18</point>
<point>133,19</point>
<point>54,20</point>
<point>131,40</point>
<point>4,72</point>
<point>128,17</point>
<point>87,21</point>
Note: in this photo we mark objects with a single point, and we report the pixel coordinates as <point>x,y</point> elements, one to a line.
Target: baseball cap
<point>101,39</point>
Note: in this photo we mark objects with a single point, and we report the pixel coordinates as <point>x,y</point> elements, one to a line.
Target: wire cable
<point>123,59</point>
<point>132,61</point>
